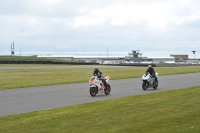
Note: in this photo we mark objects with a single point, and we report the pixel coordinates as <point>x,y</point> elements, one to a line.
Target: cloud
<point>157,15</point>
<point>112,24</point>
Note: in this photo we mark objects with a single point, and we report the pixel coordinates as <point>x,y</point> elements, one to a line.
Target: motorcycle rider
<point>151,71</point>
<point>99,74</point>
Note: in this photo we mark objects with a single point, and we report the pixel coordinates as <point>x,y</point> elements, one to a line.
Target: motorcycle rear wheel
<point>145,85</point>
<point>107,92</point>
<point>93,91</point>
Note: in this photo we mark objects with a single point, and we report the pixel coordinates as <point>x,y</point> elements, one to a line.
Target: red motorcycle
<point>97,86</point>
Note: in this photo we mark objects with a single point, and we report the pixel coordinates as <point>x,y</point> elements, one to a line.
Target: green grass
<point>174,111</point>
<point>21,78</point>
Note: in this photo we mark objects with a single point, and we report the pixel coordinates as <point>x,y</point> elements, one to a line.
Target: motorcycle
<point>96,85</point>
<point>149,82</point>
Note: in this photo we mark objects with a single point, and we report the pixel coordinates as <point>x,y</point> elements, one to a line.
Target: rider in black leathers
<point>99,74</point>
<point>151,71</point>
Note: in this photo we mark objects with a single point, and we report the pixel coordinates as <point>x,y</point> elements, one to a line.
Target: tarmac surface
<point>22,100</point>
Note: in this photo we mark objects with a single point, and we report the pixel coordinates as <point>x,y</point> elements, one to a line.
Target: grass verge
<point>164,112</point>
<point>21,78</point>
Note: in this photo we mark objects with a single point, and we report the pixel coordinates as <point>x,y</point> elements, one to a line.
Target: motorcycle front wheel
<point>93,91</point>
<point>145,85</point>
<point>107,92</point>
<point>156,85</point>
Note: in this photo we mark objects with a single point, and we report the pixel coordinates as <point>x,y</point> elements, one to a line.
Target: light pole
<point>194,55</point>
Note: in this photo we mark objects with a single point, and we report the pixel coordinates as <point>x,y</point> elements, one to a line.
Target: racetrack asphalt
<point>22,100</point>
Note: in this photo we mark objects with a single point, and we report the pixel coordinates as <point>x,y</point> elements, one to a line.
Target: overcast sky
<point>98,25</point>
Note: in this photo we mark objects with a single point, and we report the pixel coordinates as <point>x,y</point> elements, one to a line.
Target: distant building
<point>100,59</point>
<point>96,59</point>
<point>192,61</point>
<point>136,57</point>
<point>57,57</point>
<point>180,58</point>
<point>159,60</point>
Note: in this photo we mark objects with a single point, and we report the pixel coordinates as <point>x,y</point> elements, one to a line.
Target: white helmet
<point>149,66</point>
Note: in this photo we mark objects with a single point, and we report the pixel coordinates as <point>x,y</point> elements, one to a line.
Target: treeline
<point>45,62</point>
<point>35,60</point>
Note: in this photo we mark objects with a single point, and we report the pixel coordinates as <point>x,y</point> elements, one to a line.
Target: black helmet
<point>96,69</point>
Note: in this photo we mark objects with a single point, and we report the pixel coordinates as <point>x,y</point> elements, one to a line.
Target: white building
<point>157,60</point>
<point>132,58</point>
<point>57,57</point>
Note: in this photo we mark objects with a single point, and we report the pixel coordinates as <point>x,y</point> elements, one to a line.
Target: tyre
<point>145,85</point>
<point>93,91</point>
<point>107,92</point>
<point>156,85</point>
